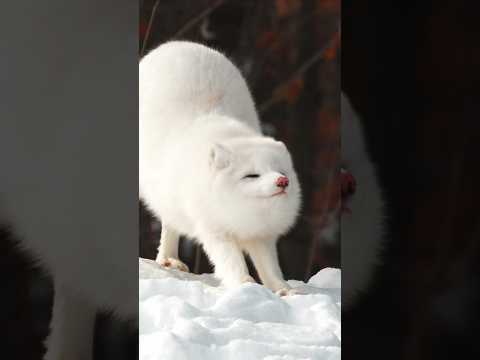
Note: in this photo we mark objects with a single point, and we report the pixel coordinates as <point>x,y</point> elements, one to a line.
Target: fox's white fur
<point>362,229</point>
<point>199,137</point>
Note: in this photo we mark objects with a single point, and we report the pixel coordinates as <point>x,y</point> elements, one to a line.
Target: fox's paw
<point>247,279</point>
<point>173,263</point>
<point>288,291</point>
<point>233,283</point>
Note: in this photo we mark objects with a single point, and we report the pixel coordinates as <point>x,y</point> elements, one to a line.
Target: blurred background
<point>289,53</point>
<point>411,70</point>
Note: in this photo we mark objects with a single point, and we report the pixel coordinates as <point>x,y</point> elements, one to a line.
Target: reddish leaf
<point>267,39</point>
<point>287,7</point>
<point>331,51</point>
<point>331,5</point>
<point>294,90</point>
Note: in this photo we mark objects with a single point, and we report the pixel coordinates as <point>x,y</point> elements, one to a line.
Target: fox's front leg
<point>168,250</point>
<point>265,258</point>
<point>228,259</point>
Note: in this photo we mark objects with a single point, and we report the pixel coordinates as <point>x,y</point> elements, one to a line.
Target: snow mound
<point>186,316</point>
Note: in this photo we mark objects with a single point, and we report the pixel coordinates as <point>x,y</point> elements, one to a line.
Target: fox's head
<point>255,184</point>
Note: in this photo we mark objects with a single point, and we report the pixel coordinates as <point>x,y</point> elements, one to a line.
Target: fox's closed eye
<point>251,176</point>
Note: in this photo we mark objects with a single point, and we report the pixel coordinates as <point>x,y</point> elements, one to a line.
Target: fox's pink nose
<point>282,182</point>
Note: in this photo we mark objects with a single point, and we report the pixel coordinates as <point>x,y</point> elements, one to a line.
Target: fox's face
<point>256,185</point>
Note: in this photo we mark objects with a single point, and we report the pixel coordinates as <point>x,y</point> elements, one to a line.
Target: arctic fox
<point>361,211</point>
<point>206,170</point>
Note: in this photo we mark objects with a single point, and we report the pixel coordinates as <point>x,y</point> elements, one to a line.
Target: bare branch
<point>195,20</point>
<point>149,28</point>
<point>304,67</point>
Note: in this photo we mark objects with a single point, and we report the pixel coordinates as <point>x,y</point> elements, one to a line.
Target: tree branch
<point>195,20</point>
<point>304,67</point>
<point>149,28</point>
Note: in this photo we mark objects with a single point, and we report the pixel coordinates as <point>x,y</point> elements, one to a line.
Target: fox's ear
<point>281,143</point>
<point>220,156</point>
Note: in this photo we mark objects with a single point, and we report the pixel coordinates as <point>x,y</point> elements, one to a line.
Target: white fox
<point>206,170</point>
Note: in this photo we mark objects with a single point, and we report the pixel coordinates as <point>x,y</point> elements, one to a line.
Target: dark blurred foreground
<point>26,301</point>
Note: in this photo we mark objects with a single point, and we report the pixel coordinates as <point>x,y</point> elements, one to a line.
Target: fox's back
<point>180,81</point>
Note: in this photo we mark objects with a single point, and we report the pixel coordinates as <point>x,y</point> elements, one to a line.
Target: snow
<point>186,316</point>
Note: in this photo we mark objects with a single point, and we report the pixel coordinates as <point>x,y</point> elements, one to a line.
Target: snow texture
<point>186,316</point>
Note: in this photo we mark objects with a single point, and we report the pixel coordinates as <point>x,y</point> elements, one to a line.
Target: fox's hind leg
<point>168,250</point>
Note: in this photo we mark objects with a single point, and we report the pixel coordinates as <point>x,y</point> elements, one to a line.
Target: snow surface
<point>186,316</point>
